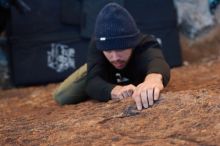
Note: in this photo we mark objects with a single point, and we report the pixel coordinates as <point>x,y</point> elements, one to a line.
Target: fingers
<point>125,94</point>
<point>145,97</point>
<point>156,94</point>
<point>150,95</point>
<point>137,100</point>
<point>127,91</point>
<point>130,92</point>
<point>120,96</point>
<point>121,92</point>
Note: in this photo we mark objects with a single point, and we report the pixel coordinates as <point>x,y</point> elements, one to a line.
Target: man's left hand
<point>149,91</point>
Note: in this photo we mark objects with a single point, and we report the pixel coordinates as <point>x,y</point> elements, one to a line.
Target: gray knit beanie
<point>115,29</point>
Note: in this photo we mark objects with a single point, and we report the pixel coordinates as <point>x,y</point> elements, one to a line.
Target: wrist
<point>154,75</point>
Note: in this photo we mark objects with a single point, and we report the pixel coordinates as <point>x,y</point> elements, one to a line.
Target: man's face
<point>118,58</point>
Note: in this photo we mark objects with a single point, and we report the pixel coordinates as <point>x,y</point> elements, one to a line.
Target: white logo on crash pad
<point>61,57</point>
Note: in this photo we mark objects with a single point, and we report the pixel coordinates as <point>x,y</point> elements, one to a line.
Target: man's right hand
<point>120,92</point>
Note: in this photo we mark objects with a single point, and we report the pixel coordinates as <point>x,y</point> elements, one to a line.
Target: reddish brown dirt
<point>187,114</point>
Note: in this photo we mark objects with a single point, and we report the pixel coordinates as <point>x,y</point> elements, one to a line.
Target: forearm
<point>159,66</point>
<point>99,89</point>
<point>153,62</point>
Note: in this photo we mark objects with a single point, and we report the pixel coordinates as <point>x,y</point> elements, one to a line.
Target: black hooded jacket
<point>102,77</point>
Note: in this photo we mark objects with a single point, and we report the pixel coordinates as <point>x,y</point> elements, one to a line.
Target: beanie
<point>115,29</point>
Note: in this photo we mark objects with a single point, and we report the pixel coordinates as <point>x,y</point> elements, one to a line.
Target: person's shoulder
<point>92,47</point>
<point>147,41</point>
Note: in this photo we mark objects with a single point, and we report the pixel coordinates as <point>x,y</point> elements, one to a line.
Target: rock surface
<point>187,114</point>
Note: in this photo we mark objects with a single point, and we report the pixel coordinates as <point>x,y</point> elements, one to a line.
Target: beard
<point>119,64</point>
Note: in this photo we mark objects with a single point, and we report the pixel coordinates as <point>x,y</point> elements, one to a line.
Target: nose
<point>115,56</point>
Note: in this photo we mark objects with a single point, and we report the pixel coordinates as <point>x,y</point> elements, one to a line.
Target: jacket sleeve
<point>97,88</point>
<point>152,59</point>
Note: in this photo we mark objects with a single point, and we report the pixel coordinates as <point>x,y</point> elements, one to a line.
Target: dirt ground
<point>187,114</point>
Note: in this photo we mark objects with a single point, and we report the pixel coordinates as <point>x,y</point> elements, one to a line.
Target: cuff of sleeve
<point>107,92</point>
